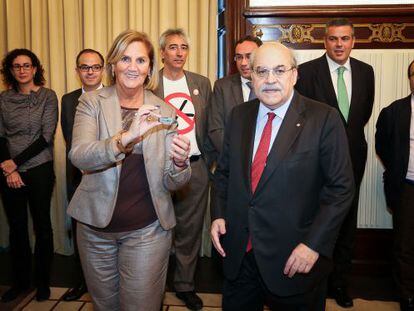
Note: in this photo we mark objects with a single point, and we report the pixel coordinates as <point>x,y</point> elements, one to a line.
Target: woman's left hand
<point>180,149</point>
<point>14,180</point>
<point>8,167</point>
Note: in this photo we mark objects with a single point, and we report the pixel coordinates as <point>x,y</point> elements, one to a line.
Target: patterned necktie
<point>260,158</point>
<point>252,95</point>
<point>343,101</point>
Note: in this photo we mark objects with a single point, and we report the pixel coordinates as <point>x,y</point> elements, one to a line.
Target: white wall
<point>391,83</point>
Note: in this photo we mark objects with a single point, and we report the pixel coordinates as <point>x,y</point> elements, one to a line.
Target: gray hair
<point>293,61</point>
<point>172,32</point>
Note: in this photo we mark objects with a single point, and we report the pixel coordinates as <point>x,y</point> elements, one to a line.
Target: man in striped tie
<point>284,185</point>
<point>347,85</point>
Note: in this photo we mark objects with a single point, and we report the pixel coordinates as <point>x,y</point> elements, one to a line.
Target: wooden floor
<point>212,302</point>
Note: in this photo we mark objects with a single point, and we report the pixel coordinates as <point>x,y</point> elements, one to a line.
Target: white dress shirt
<point>276,123</point>
<point>333,69</point>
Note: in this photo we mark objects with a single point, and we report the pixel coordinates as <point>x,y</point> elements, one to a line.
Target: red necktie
<point>260,158</point>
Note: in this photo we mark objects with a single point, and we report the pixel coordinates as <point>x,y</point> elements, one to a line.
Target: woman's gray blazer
<point>97,122</point>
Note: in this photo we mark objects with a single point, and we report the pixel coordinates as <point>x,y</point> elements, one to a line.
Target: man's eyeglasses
<point>86,68</point>
<point>26,67</point>
<point>240,57</point>
<point>263,72</point>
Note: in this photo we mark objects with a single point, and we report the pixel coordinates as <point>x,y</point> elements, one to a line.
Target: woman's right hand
<point>140,125</point>
<point>14,180</point>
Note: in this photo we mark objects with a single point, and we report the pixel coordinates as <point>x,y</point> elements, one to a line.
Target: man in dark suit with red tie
<point>283,187</point>
<point>347,85</point>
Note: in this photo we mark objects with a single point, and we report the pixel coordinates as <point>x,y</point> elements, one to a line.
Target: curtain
<point>56,30</point>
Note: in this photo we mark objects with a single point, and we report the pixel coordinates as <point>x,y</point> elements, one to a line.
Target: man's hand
<point>218,228</point>
<point>8,167</point>
<point>301,260</point>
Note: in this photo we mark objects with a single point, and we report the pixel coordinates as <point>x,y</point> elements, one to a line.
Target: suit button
<point>246,229</point>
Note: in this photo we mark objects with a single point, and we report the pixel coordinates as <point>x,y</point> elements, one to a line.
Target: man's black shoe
<point>341,297</point>
<point>75,293</point>
<point>407,304</point>
<point>191,300</point>
<point>12,293</point>
<point>42,293</point>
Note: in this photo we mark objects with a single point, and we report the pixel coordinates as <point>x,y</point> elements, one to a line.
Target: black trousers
<point>249,293</point>
<point>36,193</point>
<point>344,247</point>
<point>403,248</point>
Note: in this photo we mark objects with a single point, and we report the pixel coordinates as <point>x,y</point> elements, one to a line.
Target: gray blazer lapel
<point>111,110</point>
<point>194,89</point>
<point>236,88</point>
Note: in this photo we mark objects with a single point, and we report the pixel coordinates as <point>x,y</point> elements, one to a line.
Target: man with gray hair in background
<point>189,94</point>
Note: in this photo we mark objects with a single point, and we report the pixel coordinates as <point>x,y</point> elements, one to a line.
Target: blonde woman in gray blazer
<point>130,161</point>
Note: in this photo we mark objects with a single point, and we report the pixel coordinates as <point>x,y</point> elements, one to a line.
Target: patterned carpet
<point>212,302</point>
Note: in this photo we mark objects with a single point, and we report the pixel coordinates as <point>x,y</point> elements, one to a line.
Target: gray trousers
<point>126,270</point>
<point>190,204</point>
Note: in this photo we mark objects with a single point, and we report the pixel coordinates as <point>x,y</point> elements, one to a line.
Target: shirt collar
<point>244,80</point>
<point>98,88</point>
<point>333,66</point>
<point>280,111</point>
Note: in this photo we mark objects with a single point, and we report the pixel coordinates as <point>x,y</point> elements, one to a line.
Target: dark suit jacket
<point>302,197</point>
<point>200,102</point>
<point>227,93</point>
<point>67,117</point>
<point>315,82</point>
<point>392,143</point>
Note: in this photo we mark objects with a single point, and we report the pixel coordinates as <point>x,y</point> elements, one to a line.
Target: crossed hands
<point>13,177</point>
<point>301,260</point>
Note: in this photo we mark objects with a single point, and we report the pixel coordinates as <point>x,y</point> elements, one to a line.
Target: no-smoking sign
<point>183,105</point>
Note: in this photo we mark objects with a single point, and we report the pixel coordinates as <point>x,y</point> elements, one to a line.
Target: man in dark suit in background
<point>283,187</point>
<point>346,84</point>
<point>89,67</point>
<point>231,90</point>
<point>189,94</point>
<point>394,142</point>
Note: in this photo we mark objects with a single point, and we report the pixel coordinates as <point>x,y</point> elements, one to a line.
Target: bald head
<point>274,74</point>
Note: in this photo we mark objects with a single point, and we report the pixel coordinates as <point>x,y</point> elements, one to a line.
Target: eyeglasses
<point>240,57</point>
<point>263,72</point>
<point>26,67</point>
<point>86,68</point>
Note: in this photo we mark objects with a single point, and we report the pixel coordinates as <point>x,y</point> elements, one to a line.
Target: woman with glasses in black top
<point>28,118</point>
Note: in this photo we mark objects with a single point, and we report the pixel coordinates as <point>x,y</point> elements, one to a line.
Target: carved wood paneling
<point>301,35</point>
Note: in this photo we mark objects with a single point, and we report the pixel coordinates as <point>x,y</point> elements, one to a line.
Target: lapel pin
<point>196,92</point>
<point>297,124</point>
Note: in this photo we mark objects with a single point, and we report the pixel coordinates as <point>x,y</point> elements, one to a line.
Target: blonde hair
<point>120,44</point>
